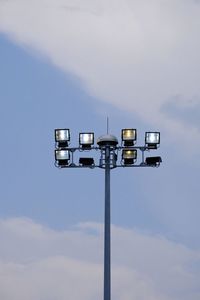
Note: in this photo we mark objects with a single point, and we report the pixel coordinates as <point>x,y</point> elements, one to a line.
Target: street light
<point>109,150</point>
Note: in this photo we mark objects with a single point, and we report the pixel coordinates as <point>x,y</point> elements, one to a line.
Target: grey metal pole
<point>107,273</point>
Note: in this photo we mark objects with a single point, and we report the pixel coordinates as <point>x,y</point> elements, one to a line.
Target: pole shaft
<point>107,272</point>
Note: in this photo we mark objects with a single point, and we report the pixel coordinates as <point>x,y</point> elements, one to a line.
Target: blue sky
<point>77,65</point>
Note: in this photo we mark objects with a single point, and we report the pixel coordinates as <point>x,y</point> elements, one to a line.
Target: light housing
<point>152,139</point>
<point>129,156</point>
<point>129,136</point>
<point>86,139</point>
<point>62,137</point>
<point>86,161</point>
<point>62,157</point>
<point>153,161</point>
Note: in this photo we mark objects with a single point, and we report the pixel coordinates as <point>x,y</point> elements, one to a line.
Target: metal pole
<point>107,273</point>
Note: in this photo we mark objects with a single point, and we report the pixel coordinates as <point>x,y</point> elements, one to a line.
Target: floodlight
<point>86,161</point>
<point>152,139</point>
<point>62,157</point>
<point>129,136</point>
<point>62,137</point>
<point>129,156</point>
<point>86,140</point>
<point>153,161</point>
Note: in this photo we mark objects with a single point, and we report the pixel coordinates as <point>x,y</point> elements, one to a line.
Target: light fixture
<point>152,139</point>
<point>62,137</point>
<point>153,161</point>
<point>108,148</point>
<point>86,140</point>
<point>86,161</point>
<point>129,156</point>
<point>129,136</point>
<point>62,157</point>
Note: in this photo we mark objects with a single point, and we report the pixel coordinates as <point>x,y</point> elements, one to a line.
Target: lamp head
<point>86,139</point>
<point>153,161</point>
<point>62,157</point>
<point>62,137</point>
<point>129,136</point>
<point>129,156</point>
<point>86,161</point>
<point>152,139</point>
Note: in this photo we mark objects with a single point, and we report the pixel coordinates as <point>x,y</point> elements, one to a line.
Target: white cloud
<point>136,55</point>
<point>40,263</point>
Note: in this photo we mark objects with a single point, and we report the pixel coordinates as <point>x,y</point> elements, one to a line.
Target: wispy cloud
<point>133,54</point>
<point>186,110</point>
<point>40,263</point>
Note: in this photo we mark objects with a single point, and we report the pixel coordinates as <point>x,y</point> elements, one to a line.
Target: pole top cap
<point>107,140</point>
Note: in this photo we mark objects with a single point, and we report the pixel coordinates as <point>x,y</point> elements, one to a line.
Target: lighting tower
<point>109,150</point>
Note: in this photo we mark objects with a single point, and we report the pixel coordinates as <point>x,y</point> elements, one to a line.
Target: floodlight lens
<point>128,134</point>
<point>62,155</point>
<point>86,138</point>
<point>62,135</point>
<point>129,154</point>
<point>152,138</point>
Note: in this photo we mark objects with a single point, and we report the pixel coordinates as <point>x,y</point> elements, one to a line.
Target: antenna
<point>107,125</point>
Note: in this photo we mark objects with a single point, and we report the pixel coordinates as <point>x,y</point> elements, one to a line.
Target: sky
<point>70,64</point>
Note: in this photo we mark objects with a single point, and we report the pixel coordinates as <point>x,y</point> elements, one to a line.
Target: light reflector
<point>129,136</point>
<point>86,139</point>
<point>62,137</point>
<point>62,157</point>
<point>129,156</point>
<point>152,139</point>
